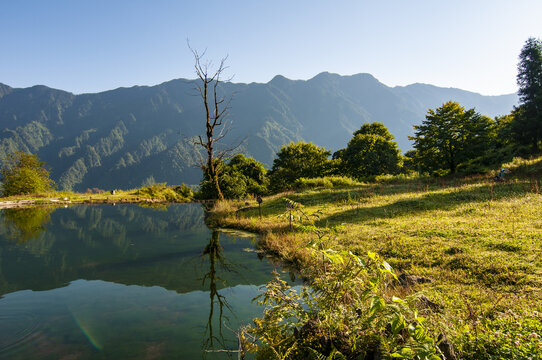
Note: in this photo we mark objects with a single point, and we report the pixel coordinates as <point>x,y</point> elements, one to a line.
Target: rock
<point>427,303</point>
<point>446,347</point>
<point>407,280</point>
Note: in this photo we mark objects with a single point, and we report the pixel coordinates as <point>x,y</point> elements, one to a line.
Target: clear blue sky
<point>95,45</point>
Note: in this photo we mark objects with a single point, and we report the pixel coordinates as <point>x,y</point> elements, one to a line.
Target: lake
<point>123,282</point>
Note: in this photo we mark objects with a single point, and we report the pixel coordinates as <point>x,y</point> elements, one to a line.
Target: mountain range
<point>126,137</point>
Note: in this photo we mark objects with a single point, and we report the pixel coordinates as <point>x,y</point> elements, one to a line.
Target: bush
<point>388,178</point>
<point>304,183</point>
<point>184,190</point>
<point>344,314</point>
<point>238,179</point>
<point>325,182</point>
<point>161,191</point>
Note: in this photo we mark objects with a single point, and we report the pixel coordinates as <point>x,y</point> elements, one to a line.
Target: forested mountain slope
<point>124,137</point>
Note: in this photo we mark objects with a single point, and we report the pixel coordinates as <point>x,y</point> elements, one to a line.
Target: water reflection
<point>122,282</point>
<point>26,223</point>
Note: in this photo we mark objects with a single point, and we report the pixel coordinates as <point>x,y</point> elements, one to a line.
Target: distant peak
<point>278,79</point>
<point>325,75</point>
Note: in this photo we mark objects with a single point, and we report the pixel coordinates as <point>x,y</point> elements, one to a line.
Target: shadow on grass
<point>346,196</point>
<point>443,200</point>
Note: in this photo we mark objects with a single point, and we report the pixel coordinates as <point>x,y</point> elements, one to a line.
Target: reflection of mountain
<point>123,244</point>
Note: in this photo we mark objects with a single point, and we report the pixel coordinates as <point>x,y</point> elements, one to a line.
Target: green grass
<point>479,242</point>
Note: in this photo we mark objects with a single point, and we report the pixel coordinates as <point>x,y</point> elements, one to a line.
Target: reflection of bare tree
<point>214,251</point>
<point>26,223</point>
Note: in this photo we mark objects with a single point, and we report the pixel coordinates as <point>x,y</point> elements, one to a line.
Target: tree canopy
<point>24,173</point>
<point>450,135</point>
<point>297,160</point>
<point>370,152</point>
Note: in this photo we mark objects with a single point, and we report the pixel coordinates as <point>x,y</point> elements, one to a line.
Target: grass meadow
<point>478,242</point>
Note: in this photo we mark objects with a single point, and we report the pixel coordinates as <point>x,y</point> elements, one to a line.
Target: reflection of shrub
<point>26,224</point>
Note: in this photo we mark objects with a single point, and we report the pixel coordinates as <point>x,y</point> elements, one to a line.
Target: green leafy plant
<point>505,336</point>
<point>345,312</point>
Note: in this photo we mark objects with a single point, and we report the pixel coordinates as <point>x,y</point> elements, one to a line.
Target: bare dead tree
<point>216,111</point>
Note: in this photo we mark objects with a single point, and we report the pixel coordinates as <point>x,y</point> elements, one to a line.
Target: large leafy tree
<point>297,160</point>
<point>450,135</point>
<point>24,174</point>
<point>370,152</point>
<point>527,125</point>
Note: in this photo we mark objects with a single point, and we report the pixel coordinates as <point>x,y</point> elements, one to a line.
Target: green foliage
<point>371,152</point>
<point>24,174</point>
<point>184,190</point>
<point>238,179</point>
<point>297,160</point>
<point>399,178</point>
<point>527,125</point>
<point>343,314</point>
<point>255,175</point>
<point>449,136</point>
<point>375,128</point>
<point>161,191</point>
<point>325,182</point>
<point>507,336</point>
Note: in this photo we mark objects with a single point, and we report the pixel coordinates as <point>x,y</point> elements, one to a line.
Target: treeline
<point>450,140</point>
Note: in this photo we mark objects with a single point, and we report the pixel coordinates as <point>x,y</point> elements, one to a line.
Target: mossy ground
<point>478,241</point>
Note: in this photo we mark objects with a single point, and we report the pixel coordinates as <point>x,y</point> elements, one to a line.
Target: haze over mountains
<point>125,137</point>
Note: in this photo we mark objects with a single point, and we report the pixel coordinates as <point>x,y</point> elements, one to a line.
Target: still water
<point>123,282</point>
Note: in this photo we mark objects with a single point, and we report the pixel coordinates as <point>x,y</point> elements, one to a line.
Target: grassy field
<point>149,194</point>
<point>478,242</point>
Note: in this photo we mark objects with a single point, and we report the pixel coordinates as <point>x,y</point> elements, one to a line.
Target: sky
<point>97,45</point>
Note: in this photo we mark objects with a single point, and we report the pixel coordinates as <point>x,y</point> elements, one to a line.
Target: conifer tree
<point>527,125</point>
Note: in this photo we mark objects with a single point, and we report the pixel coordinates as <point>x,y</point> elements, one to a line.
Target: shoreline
<point>15,204</point>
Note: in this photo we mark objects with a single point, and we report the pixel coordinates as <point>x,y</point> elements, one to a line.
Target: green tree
<point>255,174</point>
<point>450,135</point>
<point>297,160</point>
<point>24,174</point>
<point>370,152</point>
<point>527,125</point>
<point>238,178</point>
